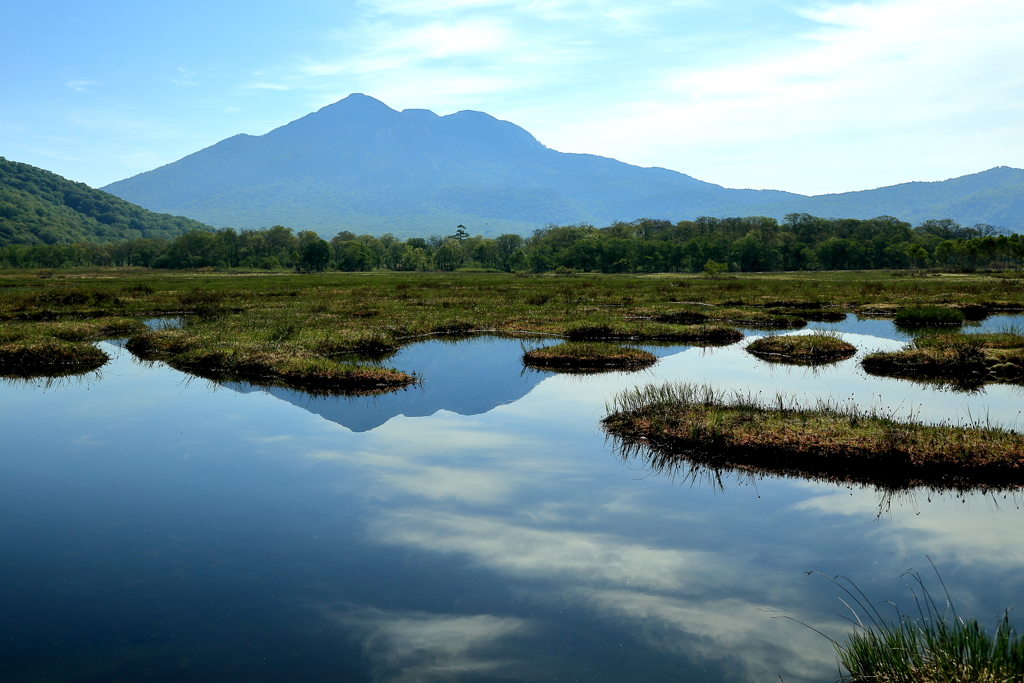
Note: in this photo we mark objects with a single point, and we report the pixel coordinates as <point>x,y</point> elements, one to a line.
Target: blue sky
<point>807,97</point>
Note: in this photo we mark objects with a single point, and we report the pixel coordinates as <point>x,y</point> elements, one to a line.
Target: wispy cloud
<point>80,86</point>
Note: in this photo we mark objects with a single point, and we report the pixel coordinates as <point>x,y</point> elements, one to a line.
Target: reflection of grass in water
<point>935,646</point>
<point>716,430</point>
<point>810,349</point>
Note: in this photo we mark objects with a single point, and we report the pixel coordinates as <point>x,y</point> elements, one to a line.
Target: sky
<point>799,96</point>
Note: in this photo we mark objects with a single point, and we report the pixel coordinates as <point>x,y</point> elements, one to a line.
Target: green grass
<point>929,316</point>
<point>717,430</point>
<point>351,318</point>
<point>588,356</point>
<point>802,349</point>
<point>934,646</point>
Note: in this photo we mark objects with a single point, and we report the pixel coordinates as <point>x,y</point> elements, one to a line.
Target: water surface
<point>159,527</point>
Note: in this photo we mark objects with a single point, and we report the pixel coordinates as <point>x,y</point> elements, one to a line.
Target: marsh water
<point>476,527</point>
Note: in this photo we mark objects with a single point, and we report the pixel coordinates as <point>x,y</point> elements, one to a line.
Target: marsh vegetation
<point>334,329</point>
<point>839,442</point>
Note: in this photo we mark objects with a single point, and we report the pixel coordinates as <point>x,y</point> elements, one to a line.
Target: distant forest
<point>750,244</point>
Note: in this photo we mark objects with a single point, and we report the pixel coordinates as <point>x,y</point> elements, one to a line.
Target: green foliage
<point>39,207</point>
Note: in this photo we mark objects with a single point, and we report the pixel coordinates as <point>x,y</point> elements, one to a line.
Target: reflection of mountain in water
<point>467,377</point>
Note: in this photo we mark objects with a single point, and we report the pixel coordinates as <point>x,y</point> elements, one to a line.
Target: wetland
<point>175,522</point>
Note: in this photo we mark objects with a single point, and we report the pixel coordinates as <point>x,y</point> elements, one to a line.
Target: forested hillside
<point>39,207</point>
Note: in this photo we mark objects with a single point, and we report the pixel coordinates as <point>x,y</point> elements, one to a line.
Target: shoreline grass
<point>936,645</point>
<point>573,356</point>
<point>802,349</point>
<point>840,443</point>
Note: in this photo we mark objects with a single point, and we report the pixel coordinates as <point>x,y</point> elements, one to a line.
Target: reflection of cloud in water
<point>954,528</point>
<point>760,646</point>
<point>545,554</point>
<point>419,647</point>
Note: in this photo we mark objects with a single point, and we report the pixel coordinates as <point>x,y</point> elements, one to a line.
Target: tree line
<point>741,244</point>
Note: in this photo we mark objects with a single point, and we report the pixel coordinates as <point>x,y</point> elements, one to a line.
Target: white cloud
<point>80,85</point>
<point>888,92</point>
<point>420,647</point>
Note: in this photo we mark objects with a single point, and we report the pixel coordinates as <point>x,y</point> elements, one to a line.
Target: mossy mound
<point>802,349</point>
<point>588,357</point>
<point>49,358</point>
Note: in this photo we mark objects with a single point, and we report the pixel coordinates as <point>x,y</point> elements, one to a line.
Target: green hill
<point>37,206</point>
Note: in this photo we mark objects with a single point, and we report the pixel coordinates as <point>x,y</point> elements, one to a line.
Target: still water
<point>477,527</point>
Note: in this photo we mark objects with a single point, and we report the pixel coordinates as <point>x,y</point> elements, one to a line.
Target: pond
<point>475,527</point>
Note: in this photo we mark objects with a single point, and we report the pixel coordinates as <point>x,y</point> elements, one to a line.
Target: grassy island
<point>964,359</point>
<point>58,349</point>
<point>712,429</point>
<point>588,357</point>
<point>802,349</point>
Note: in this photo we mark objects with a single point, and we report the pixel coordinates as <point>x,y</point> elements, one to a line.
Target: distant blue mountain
<point>360,165</point>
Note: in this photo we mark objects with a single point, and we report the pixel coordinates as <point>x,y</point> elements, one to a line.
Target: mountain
<point>37,206</point>
<point>995,196</point>
<point>359,165</point>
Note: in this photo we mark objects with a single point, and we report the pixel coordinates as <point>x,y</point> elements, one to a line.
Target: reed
<point>934,646</point>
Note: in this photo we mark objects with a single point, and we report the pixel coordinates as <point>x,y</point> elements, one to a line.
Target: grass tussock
<point>934,646</point>
<point>964,359</point>
<point>929,316</point>
<point>264,364</point>
<point>588,356</point>
<point>48,358</point>
<point>837,442</point>
<point>802,349</point>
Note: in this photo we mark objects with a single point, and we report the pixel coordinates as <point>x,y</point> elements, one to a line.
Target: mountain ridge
<point>359,165</point>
